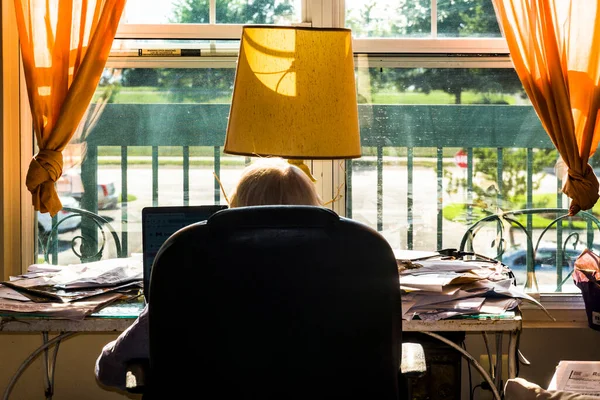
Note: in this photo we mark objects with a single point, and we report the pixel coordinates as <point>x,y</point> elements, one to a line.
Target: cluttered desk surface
<point>438,293</point>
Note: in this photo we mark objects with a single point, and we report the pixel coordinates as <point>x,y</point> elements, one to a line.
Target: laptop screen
<point>158,223</point>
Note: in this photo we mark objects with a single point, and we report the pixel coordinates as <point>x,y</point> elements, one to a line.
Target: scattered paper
<point>581,377</point>
<point>110,272</point>
<point>74,311</point>
<point>11,294</point>
<point>436,289</point>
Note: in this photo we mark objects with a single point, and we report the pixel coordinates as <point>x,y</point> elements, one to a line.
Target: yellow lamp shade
<point>294,94</point>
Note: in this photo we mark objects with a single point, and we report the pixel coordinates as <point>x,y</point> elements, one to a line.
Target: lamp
<point>294,95</point>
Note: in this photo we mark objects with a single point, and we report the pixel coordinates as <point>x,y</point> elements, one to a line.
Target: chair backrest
<point>276,302</point>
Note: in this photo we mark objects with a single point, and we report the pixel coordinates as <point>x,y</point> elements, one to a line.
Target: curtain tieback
<point>582,188</point>
<point>44,169</point>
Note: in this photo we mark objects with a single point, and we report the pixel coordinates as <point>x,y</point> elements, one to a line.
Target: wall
<point>544,348</point>
<point>74,376</point>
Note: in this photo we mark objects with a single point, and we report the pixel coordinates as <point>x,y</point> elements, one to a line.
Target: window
<point>447,133</point>
<point>219,12</point>
<point>421,18</point>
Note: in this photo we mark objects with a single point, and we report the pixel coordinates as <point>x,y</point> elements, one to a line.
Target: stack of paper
<point>438,288</point>
<point>71,291</point>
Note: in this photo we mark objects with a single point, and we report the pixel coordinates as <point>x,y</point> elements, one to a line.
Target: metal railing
<point>383,127</point>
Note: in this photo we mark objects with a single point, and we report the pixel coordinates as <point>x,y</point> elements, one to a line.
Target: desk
<point>510,324</point>
<point>117,318</point>
<point>114,318</point>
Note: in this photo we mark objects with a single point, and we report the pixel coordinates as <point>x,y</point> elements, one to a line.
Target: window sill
<point>568,310</point>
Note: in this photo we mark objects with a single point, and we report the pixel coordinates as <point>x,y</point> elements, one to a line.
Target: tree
<point>140,77</point>
<point>487,82</point>
<point>514,179</point>
<point>456,18</point>
<point>208,84</point>
<point>233,11</point>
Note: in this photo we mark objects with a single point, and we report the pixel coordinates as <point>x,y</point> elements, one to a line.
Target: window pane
<point>198,11</point>
<point>258,11</point>
<point>152,136</point>
<point>467,18</point>
<point>412,18</point>
<point>443,148</point>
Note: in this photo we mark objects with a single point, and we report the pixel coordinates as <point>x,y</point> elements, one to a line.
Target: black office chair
<point>275,302</point>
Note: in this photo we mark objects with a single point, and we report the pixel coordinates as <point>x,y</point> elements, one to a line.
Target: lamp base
<point>300,164</point>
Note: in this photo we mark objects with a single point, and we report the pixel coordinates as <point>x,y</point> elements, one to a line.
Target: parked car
<point>544,264</point>
<point>72,222</point>
<point>107,196</point>
<point>545,258</point>
<point>70,184</point>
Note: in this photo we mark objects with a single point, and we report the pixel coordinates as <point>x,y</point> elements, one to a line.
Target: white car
<point>70,184</point>
<point>71,220</point>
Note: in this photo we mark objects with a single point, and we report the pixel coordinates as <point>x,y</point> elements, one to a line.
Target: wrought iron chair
<point>496,234</point>
<point>89,245</point>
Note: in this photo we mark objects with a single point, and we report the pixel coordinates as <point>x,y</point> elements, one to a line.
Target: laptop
<point>159,223</point>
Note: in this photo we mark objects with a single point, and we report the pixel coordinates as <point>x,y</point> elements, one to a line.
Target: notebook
<point>158,223</point>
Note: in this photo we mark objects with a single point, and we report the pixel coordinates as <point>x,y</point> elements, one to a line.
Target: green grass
<point>168,151</point>
<point>434,97</point>
<point>130,198</point>
<point>157,95</point>
<point>150,95</point>
<point>206,151</point>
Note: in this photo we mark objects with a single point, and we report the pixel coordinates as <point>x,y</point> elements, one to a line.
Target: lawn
<point>158,95</point>
<point>434,97</point>
<point>457,211</point>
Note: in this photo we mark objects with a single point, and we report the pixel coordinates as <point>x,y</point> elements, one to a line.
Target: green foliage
<point>488,82</point>
<point>514,166</point>
<point>455,18</point>
<point>206,84</point>
<point>457,212</point>
<point>191,12</point>
<point>514,177</point>
<point>130,198</point>
<point>140,77</point>
<point>233,11</point>
<point>412,18</point>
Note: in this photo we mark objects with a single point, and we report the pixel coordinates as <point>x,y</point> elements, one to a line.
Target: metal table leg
<point>48,364</point>
<point>513,356</point>
<point>498,368</point>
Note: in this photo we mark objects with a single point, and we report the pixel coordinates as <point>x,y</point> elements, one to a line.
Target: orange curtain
<point>64,46</point>
<point>555,49</point>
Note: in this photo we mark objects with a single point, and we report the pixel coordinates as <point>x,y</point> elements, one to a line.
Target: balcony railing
<point>410,128</point>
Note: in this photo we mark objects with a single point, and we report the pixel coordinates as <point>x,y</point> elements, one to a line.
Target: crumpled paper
<point>587,268</point>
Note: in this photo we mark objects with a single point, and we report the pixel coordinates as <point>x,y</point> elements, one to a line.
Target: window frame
<point>16,213</point>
